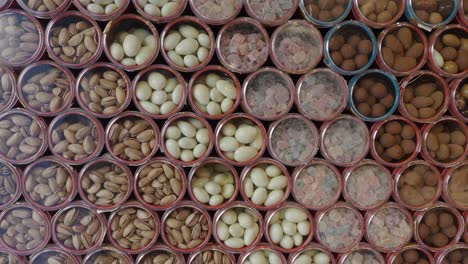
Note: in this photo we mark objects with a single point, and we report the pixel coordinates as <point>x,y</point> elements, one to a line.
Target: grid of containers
<point>201,131</point>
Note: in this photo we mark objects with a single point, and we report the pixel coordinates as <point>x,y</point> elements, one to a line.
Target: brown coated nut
<point>326,10</point>
<point>78,228</point>
<point>411,256</point>
<point>350,51</point>
<point>395,141</point>
<point>160,184</point>
<point>440,227</point>
<point>133,228</point>
<point>186,228</point>
<point>74,43</point>
<point>379,11</point>
<point>46,88</point>
<point>23,228</point>
<point>212,256</point>
<point>7,258</point>
<point>446,141</point>
<point>6,88</point>
<point>48,183</point>
<point>43,5</point>
<point>8,184</point>
<point>457,255</point>
<point>417,185</point>
<point>456,186</point>
<point>424,99</point>
<point>160,257</point>
<point>451,52</point>
<point>103,92</point>
<point>461,99</point>
<point>402,49</point>
<point>432,11</point>
<point>51,257</point>
<point>372,96</point>
<point>108,256</point>
<point>19,38</point>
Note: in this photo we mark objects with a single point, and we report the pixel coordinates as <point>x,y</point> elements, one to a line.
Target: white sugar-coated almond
<point>211,78</point>
<point>157,81</point>
<point>158,97</point>
<point>171,40</point>
<point>169,9</point>
<point>202,136</point>
<point>251,234</point>
<point>303,228</point>
<point>187,143</point>
<point>171,84</point>
<point>149,41</point>
<point>273,170</point>
<point>277,183</point>
<point>200,182</point>
<point>303,259</point>
<point>176,94</point>
<point>274,197</point>
<point>227,88</point>
<point>187,128</point>
<point>222,231</point>
<point>221,178</point>
<point>258,142</point>
<point>258,257</point>
<point>158,3</point>
<point>121,36</point>
<point>204,40</point>
<point>201,93</point>
<point>128,61</point>
<point>173,132</point>
<point>186,46</point>
<point>286,242</point>
<point>95,8</point>
<point>245,153</point>
<point>228,191</point>
<point>273,258</point>
<point>199,150</point>
<point>226,105</point>
<point>259,177</point>
<point>234,242</point>
<point>167,107</point>
<point>202,53</point>
<point>289,229</point>
<point>117,51</point>
<point>188,31</point>
<point>246,134</point>
<point>176,58</point>
<point>321,258</point>
<point>259,196</point>
<point>173,148</point>
<point>196,123</point>
<point>228,144</point>
<point>140,33</point>
<point>150,107</point>
<point>276,233</point>
<point>191,60</point>
<point>143,91</point>
<point>216,96</point>
<point>152,10</point>
<point>213,188</point>
<point>213,108</point>
<point>248,187</point>
<point>236,230</point>
<point>228,130</point>
<point>245,220</point>
<point>109,9</point>
<point>201,194</point>
<point>216,200</point>
<point>294,215</point>
<point>229,217</point>
<point>187,155</point>
<point>131,45</point>
<point>143,55</point>
<point>298,239</point>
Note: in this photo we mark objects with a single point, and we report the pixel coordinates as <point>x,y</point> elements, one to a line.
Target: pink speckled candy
<point>271,10</point>
<point>242,50</point>
<point>216,9</point>
<point>362,256</point>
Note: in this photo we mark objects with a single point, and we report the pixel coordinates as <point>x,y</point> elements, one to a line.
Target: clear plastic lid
<point>7,88</point>
<point>216,12</point>
<point>107,254</point>
<point>325,13</point>
<point>10,182</point>
<point>271,12</point>
<point>44,9</point>
<point>363,253</point>
<point>102,10</point>
<point>160,11</point>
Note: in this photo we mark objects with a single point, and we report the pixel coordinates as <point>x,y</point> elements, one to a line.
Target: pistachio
<point>53,256</point>
<point>108,255</point>
<point>6,88</point>
<point>8,184</point>
<point>212,256</point>
<point>7,258</point>
<point>191,233</point>
<point>160,257</point>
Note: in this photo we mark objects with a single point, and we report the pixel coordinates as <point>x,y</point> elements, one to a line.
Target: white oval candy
<point>186,128</point>
<point>171,40</point>
<point>276,233</point>
<point>286,242</point>
<point>228,130</point>
<point>157,81</point>
<point>176,58</point>
<point>236,230</point>
<point>245,220</point>
<point>167,107</point>
<point>216,200</point>
<point>211,78</point>
<point>173,132</point>
<point>227,88</point>
<point>169,9</point>
<point>202,54</point>
<point>251,234</point>
<point>321,258</point>
<point>204,40</point>
<point>152,10</point>
<point>245,153</point>
<point>246,134</point>
<point>234,242</point>
<point>228,191</point>
<point>289,228</point>
<point>213,108</point>
<point>274,197</point>
<point>199,150</point>
<point>109,9</point>
<point>273,170</point>
<point>303,228</point>
<point>159,97</point>
<point>150,107</point>
<point>201,93</point>
<point>294,215</point>
<point>248,187</point>
<point>187,155</point>
<point>131,45</point>
<point>187,143</point>
<point>191,60</point>
<point>128,61</point>
<point>188,31</point>
<point>117,51</point>
<point>278,183</point>
<point>203,136</point>
<point>216,96</point>
<point>222,230</point>
<point>143,55</point>
<point>303,259</point>
<point>95,8</point>
<point>213,188</point>
<point>228,144</point>
<point>229,217</point>
<point>176,94</point>
<point>226,105</point>
<point>259,177</point>
<point>187,46</point>
<point>143,91</point>
<point>439,60</point>
<point>173,148</point>
<point>298,239</point>
<point>259,196</point>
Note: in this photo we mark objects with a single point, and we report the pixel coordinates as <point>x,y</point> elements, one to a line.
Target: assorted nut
<point>438,228</point>
<point>411,256</point>
<point>461,99</point>
<point>6,88</point>
<point>271,12</point>
<point>108,255</point>
<point>432,11</point>
<point>45,88</point>
<point>326,10</point>
<point>446,141</point>
<point>418,185</point>
<point>44,6</point>
<point>132,138</point>
<point>212,257</point>
<point>374,95</point>
<point>312,256</point>
<point>133,46</point>
<point>424,99</point>
<point>187,45</point>
<point>289,227</point>
<point>103,7</point>
<point>379,11</point>
<point>450,52</point>
<point>396,141</point>
<point>402,49</point>
<point>216,11</point>
<point>456,186</point>
<point>8,184</point>
<point>238,227</point>
<point>133,228</point>
<point>161,9</point>
<point>213,183</point>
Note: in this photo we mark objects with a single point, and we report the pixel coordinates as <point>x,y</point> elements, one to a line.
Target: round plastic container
<point>344,141</point>
<point>233,41</point>
<point>53,253</point>
<point>462,15</point>
<point>465,234</point>
<point>437,48</point>
<point>7,88</point>
<point>23,213</point>
<point>259,252</point>
<point>418,14</point>
<point>313,253</point>
<point>148,227</point>
<point>173,181</point>
<point>271,13</point>
<point>453,191</point>
<point>11,184</point>
<point>118,27</point>
<point>5,4</point>
<point>428,147</point>
<point>124,129</point>
<point>105,184</point>
<point>367,185</point>
<point>458,103</point>
<point>423,79</point>
<point>455,253</point>
<point>108,253</point>
<point>321,94</point>
<point>98,12</point>
<point>90,137</point>
<point>339,37</point>
<point>330,231</point>
<point>43,10</point>
<point>209,252</point>
<point>103,90</point>
<point>254,149</point>
<point>153,11</point>
<point>174,41</point>
<point>180,210</point>
<point>316,185</point>
<point>159,252</point>
<point>297,212</point>
<point>27,51</point>
<point>214,179</point>
<point>406,179</point>
<point>267,94</point>
<point>417,47</point>
<point>274,193</point>
<point>388,15</point>
<point>214,12</point>
<point>296,46</point>
<point>422,229</point>
<point>22,148</point>
<point>231,243</point>
<point>41,177</point>
<point>293,140</point>
<point>362,252</point>
<point>8,256</point>
<point>89,225</point>
<point>221,101</point>
<point>408,134</point>
<point>410,252</point>
<point>188,122</point>
<point>45,88</point>
<point>361,96</point>
<point>174,86</point>
<point>325,15</point>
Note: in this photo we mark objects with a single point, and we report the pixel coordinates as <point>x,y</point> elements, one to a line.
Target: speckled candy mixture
<point>216,9</point>
<point>367,185</point>
<point>389,228</point>
<point>362,257</point>
<point>271,10</point>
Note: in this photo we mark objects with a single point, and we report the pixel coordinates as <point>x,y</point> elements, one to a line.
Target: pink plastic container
<point>43,173</point>
<point>138,183</point>
<point>20,213</point>
<point>29,95</point>
<point>241,208</point>
<point>296,46</point>
<point>22,152</point>
<point>458,252</point>
<point>97,172</point>
<point>52,252</point>
<point>403,175</point>
<point>298,256</point>
<point>328,220</point>
<point>458,102</point>
<point>213,249</point>
<point>178,95</point>
<point>9,256</point>
<point>57,140</point>
<point>266,251</point>
<point>200,78</point>
<point>8,91</point>
<point>316,185</point>
<point>422,227</point>
<point>344,130</point>
<point>178,10</point>
<point>83,91</point>
<point>17,58</point>
<point>96,223</point>
<point>108,253</point>
<point>120,7</point>
<point>214,12</point>
<point>237,119</point>
<point>271,13</point>
<point>122,119</point>
<point>321,94</point>
<point>416,79</point>
<point>410,252</point>
<point>234,37</point>
<point>367,185</point>
<point>454,180</point>
<point>267,93</point>
<point>158,250</point>
<point>11,185</point>
<point>376,21</point>
<point>52,9</point>
<point>200,26</point>
<point>362,252</point>
<point>210,168</point>
<point>293,140</point>
<point>417,34</point>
